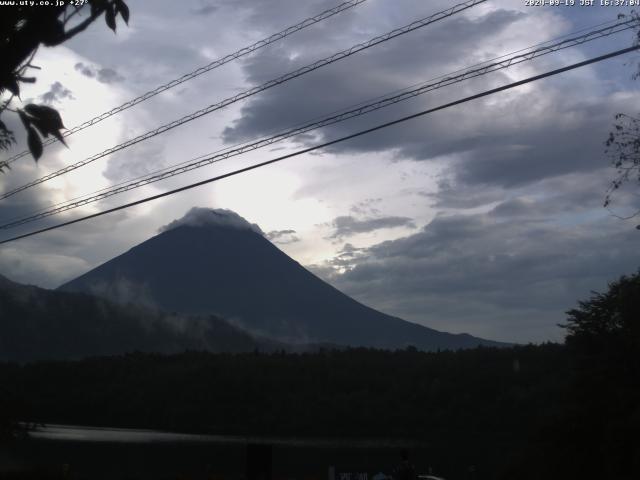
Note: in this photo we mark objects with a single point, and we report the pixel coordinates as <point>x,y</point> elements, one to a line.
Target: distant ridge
<point>39,324</point>
<point>215,262</point>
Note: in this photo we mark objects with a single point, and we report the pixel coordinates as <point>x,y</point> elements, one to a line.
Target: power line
<point>361,109</point>
<point>260,88</point>
<point>332,142</point>
<point>207,68</point>
<point>193,163</point>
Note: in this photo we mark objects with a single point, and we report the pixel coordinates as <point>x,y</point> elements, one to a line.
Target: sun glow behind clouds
<point>266,194</point>
<point>88,97</point>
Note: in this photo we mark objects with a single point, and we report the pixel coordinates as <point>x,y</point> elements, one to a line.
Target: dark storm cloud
<point>109,75</point>
<point>103,75</point>
<point>451,195</point>
<point>85,70</point>
<point>576,193</point>
<point>148,157</point>
<point>349,250</point>
<point>500,143</point>
<point>503,278</point>
<point>506,145</point>
<point>346,258</point>
<point>536,151</point>
<point>204,9</point>
<point>385,68</point>
<point>267,18</point>
<point>283,237</point>
<point>347,226</point>
<point>367,207</point>
<point>532,208</point>
<point>57,93</point>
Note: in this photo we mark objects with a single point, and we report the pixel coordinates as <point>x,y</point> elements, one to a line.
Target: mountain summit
<point>216,262</point>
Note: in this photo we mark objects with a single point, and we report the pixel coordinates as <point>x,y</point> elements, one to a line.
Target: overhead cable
<point>329,143</point>
<point>252,91</point>
<point>195,73</point>
<point>360,110</point>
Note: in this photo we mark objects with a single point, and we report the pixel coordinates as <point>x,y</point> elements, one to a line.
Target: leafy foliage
<point>610,319</point>
<point>601,422</point>
<point>623,143</point>
<point>623,148</point>
<point>22,30</point>
<point>6,140</point>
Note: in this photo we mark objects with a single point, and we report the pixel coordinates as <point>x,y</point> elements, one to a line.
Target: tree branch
<point>81,26</point>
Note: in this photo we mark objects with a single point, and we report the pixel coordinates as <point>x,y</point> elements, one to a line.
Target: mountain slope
<point>214,262</point>
<point>42,324</point>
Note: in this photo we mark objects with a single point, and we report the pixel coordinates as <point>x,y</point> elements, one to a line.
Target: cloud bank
<point>207,217</point>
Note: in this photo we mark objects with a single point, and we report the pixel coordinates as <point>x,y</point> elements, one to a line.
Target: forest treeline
<point>357,392</point>
<point>480,404</point>
<point>549,411</point>
<point>514,411</point>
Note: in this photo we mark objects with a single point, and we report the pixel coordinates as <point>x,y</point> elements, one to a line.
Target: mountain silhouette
<point>215,262</point>
<point>40,324</point>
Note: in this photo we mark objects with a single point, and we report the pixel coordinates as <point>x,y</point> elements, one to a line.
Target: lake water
<point>77,433</point>
<point>118,453</point>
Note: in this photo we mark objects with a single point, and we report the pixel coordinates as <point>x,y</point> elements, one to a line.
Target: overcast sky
<point>484,218</point>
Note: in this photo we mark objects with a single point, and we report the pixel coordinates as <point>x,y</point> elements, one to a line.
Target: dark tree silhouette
<point>22,30</point>
<point>623,145</point>
<point>604,340</point>
<point>623,148</point>
<point>610,319</point>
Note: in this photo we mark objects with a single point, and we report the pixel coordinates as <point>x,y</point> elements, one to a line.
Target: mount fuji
<point>214,262</point>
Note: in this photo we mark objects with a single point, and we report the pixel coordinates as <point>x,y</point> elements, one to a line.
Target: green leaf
<point>58,135</point>
<point>35,143</point>
<point>47,120</point>
<point>97,6</point>
<point>110,17</point>
<point>12,86</point>
<point>51,32</point>
<point>26,121</point>
<point>123,10</point>
<point>47,114</point>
